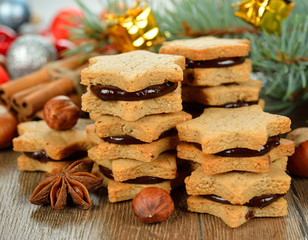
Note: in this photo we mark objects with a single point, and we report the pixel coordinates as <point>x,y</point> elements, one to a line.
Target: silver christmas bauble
<point>28,53</point>
<point>13,13</point>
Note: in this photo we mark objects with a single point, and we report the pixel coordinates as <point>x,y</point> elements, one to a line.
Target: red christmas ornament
<point>7,37</point>
<point>62,45</point>
<point>4,76</point>
<point>67,17</point>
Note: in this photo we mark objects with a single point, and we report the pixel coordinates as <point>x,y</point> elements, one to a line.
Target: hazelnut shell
<point>298,162</point>
<point>153,205</point>
<point>8,127</point>
<point>60,113</point>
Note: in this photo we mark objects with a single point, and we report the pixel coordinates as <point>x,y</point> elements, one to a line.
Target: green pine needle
<point>283,59</point>
<point>91,28</point>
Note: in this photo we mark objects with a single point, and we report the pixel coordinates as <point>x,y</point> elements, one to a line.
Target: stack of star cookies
<point>240,163</point>
<point>46,149</point>
<point>135,100</point>
<point>217,73</point>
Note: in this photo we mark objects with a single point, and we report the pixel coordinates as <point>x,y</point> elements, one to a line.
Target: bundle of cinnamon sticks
<point>26,96</point>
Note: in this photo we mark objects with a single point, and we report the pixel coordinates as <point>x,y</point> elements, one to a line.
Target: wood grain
<point>21,220</point>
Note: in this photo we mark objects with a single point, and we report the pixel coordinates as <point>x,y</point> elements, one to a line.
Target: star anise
<point>74,180</point>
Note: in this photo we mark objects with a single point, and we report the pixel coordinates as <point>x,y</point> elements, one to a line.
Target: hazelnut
<point>298,162</point>
<point>8,127</point>
<point>152,205</point>
<point>61,113</point>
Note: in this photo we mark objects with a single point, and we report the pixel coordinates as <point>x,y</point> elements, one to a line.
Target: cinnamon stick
<point>36,100</point>
<point>42,75</point>
<point>17,98</point>
<point>30,80</point>
<point>22,118</point>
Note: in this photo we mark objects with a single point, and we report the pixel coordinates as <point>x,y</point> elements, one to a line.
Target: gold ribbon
<point>137,29</point>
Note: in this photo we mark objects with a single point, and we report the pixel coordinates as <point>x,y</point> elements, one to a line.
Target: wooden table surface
<point>22,220</point>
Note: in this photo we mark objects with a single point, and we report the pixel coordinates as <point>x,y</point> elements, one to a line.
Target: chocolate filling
<point>128,140</point>
<point>44,158</point>
<point>259,201</point>
<point>244,152</point>
<point>215,63</point>
<point>109,93</point>
<point>196,109</point>
<point>238,104</point>
<point>139,180</point>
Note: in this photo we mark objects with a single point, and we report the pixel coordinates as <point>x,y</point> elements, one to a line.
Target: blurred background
<point>46,10</point>
<point>35,32</point>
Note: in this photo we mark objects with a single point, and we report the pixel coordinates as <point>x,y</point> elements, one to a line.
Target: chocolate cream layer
<point>259,201</point>
<point>43,157</point>
<point>128,140</point>
<point>110,93</point>
<point>215,63</point>
<point>271,143</point>
<point>139,180</point>
<point>198,107</point>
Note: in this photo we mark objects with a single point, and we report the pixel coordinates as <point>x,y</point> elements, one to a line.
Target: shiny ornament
<point>13,13</point>
<point>137,29</point>
<point>69,17</point>
<point>7,36</point>
<point>29,53</point>
<point>265,14</point>
<point>4,77</point>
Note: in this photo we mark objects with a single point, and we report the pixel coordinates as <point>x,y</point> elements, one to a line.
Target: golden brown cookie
<point>118,191</point>
<point>36,136</point>
<point>133,71</point>
<point>236,215</point>
<point>218,129</point>
<point>240,187</point>
<point>219,95</point>
<point>207,48</point>
<point>25,163</point>
<point>214,164</point>
<point>146,129</point>
<point>132,110</point>
<point>197,77</point>
<point>146,152</point>
<point>124,169</point>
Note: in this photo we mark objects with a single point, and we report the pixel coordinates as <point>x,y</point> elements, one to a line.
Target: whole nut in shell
<point>61,113</point>
<point>152,205</point>
<point>8,127</point>
<point>298,162</point>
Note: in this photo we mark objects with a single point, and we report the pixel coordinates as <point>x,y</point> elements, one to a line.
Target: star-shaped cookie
<point>240,187</point>
<point>134,71</point>
<point>207,48</point>
<point>36,136</point>
<point>218,129</point>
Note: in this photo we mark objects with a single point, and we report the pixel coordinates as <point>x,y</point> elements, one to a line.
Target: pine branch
<point>182,18</point>
<point>284,61</point>
<point>91,34</point>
